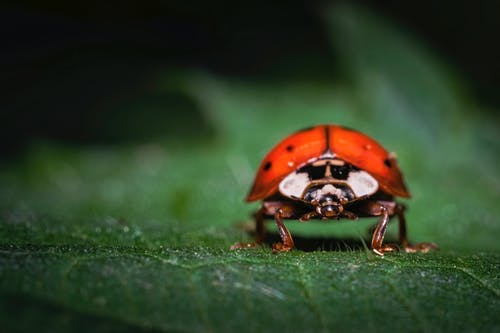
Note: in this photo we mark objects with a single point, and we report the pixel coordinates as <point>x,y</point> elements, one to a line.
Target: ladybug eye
<point>341,172</point>
<point>317,172</point>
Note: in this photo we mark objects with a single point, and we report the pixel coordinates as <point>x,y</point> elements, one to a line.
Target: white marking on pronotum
<point>330,189</point>
<point>362,183</point>
<point>294,184</point>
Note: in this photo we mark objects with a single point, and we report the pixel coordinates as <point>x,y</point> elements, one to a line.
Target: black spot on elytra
<point>267,166</point>
<point>289,148</point>
<point>388,162</point>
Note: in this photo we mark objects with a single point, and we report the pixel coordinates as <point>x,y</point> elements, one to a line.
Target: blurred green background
<point>131,133</point>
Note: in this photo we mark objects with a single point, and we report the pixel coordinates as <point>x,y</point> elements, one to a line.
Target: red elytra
<point>311,144</point>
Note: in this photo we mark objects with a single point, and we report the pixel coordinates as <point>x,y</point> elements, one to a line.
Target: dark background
<point>67,68</point>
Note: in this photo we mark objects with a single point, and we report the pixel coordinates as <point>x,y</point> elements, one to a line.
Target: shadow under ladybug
<point>314,243</point>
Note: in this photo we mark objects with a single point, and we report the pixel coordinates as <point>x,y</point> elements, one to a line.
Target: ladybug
<point>329,172</point>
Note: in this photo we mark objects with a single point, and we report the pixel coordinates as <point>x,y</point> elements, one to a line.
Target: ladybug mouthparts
<point>328,206</point>
<point>330,210</point>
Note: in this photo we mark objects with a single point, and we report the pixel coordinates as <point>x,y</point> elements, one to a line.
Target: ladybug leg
<point>403,238</point>
<point>384,209</point>
<point>307,216</point>
<point>280,211</point>
<point>349,215</point>
<point>400,212</point>
<point>286,237</point>
<point>379,233</point>
<point>387,209</point>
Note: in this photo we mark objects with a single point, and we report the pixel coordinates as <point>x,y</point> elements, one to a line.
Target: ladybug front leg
<point>384,209</point>
<point>379,233</point>
<point>279,210</point>
<point>286,237</point>
<point>387,209</point>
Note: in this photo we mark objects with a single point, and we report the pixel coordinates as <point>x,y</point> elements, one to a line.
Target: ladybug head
<point>329,206</point>
<point>328,201</point>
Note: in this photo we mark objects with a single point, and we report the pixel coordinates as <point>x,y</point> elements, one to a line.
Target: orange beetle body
<point>330,172</point>
<point>311,144</point>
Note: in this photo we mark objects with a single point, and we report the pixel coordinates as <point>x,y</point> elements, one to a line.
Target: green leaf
<point>202,289</point>
<point>137,237</point>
